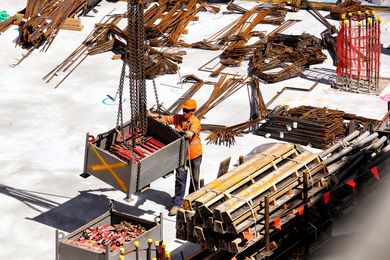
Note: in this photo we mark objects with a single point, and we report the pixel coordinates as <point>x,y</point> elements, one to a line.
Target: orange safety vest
<point>193,125</point>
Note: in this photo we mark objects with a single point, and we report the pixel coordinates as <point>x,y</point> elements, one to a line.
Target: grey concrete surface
<point>42,130</point>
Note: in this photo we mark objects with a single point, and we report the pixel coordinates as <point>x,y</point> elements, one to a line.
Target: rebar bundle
<point>292,54</point>
<point>7,23</point>
<point>346,7</point>
<point>163,26</point>
<point>359,49</point>
<point>225,87</point>
<point>252,207</point>
<point>42,21</point>
<point>226,135</point>
<point>177,105</point>
<point>228,213</point>
<point>114,236</point>
<point>319,127</point>
<point>234,39</point>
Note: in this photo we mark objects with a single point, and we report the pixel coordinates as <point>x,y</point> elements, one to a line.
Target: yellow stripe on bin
<point>107,166</point>
<point>99,167</point>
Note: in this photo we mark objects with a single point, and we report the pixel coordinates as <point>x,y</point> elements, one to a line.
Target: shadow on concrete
<point>160,197</point>
<point>385,50</point>
<point>85,207</point>
<point>30,198</point>
<point>323,75</point>
<point>185,250</point>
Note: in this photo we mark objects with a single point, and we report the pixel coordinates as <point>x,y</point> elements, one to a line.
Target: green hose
<point>3,16</point>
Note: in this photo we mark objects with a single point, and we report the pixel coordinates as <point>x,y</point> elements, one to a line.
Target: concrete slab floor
<point>42,129</point>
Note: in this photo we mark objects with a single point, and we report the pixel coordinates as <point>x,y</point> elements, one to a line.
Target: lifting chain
<point>119,118</point>
<point>137,188</point>
<point>156,95</point>
<point>137,84</point>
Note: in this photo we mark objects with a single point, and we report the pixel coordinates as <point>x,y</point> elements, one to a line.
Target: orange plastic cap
<point>190,104</point>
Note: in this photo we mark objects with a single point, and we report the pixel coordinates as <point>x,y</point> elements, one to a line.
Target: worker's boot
<point>173,211</point>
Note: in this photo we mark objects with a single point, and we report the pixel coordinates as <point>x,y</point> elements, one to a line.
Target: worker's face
<point>187,113</point>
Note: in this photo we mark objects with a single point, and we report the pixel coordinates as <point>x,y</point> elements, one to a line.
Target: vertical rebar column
<point>267,251</point>
<point>349,50</point>
<point>370,53</point>
<point>344,53</point>
<point>157,245</point>
<point>377,27</point>
<point>136,245</point>
<point>366,45</point>
<point>305,191</point>
<point>359,54</point>
<point>358,48</point>
<point>149,250</point>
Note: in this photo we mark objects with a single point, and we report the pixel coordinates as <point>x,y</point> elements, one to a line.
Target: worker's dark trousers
<point>181,180</point>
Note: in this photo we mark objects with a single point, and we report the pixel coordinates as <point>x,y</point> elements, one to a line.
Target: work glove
<point>153,115</point>
<point>156,117</point>
<point>188,134</point>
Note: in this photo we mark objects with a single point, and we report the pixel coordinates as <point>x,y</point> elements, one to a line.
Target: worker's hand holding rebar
<point>188,134</point>
<point>156,117</point>
<point>153,115</point>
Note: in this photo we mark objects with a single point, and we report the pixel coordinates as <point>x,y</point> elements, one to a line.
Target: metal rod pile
<point>114,236</point>
<point>306,125</point>
<point>291,53</point>
<point>229,213</point>
<point>107,36</point>
<point>144,146</point>
<point>42,21</point>
<point>91,42</point>
<point>177,105</point>
<point>346,7</point>
<point>224,88</point>
<point>359,51</point>
<point>226,135</point>
<point>249,206</point>
<point>7,23</point>
<point>235,39</point>
<point>164,25</point>
<point>172,24</point>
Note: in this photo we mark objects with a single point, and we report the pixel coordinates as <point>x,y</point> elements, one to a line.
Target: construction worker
<point>189,126</point>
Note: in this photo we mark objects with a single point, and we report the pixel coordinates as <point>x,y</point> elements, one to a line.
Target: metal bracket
<point>111,205</point>
<point>159,220</point>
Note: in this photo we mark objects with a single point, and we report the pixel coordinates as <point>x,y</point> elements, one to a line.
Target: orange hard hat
<point>190,104</point>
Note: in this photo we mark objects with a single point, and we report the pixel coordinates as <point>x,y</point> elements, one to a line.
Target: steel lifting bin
<point>66,250</point>
<point>130,176</point>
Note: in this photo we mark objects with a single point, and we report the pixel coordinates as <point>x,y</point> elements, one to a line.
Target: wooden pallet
<point>73,24</point>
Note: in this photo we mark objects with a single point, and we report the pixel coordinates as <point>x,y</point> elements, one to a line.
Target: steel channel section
<point>122,175</point>
<point>68,251</point>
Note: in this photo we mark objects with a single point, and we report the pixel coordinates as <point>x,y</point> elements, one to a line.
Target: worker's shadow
<point>159,197</point>
<point>85,207</point>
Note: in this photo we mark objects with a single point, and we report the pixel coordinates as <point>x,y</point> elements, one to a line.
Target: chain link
<point>137,188</point>
<point>119,118</point>
<point>137,83</point>
<point>156,95</point>
<point>180,152</point>
<point>138,97</point>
